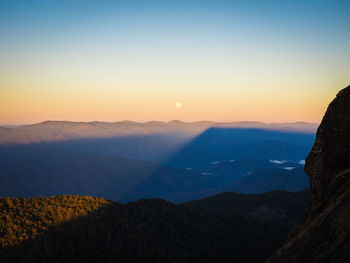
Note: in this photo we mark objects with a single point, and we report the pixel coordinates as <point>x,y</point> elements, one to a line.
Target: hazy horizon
<point>150,121</point>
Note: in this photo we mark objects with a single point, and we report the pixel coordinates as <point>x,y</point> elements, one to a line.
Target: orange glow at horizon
<point>251,103</point>
<point>125,60</point>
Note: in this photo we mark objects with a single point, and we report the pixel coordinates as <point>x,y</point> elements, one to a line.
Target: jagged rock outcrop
<point>324,234</point>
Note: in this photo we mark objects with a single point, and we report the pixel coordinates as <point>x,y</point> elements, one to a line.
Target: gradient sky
<point>272,61</point>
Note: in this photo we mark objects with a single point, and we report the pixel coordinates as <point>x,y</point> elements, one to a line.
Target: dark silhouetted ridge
<point>280,206</point>
<point>324,234</point>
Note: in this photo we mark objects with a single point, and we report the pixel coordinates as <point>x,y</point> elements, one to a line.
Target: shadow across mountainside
<point>217,144</point>
<point>177,149</point>
<point>108,176</point>
<point>127,168</point>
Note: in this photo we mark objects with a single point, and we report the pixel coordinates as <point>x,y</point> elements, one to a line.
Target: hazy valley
<point>166,160</point>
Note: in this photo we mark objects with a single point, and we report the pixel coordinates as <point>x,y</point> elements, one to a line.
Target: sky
<point>237,60</point>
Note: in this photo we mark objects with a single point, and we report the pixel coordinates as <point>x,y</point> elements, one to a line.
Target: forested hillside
<point>26,218</point>
<point>87,229</point>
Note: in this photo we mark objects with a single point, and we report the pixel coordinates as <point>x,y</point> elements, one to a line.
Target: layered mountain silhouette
<point>324,234</point>
<point>176,163</point>
<point>176,144</point>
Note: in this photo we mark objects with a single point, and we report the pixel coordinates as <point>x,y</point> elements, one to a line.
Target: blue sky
<point>161,52</point>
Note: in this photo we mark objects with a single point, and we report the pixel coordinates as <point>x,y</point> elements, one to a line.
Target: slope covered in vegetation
<point>86,229</point>
<point>26,218</point>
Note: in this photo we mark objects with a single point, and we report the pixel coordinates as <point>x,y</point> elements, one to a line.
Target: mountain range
<point>171,165</point>
<point>65,130</point>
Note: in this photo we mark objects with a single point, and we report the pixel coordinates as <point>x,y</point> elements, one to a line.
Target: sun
<point>178,105</point>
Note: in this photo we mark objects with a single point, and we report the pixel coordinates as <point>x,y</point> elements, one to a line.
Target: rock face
<point>324,234</point>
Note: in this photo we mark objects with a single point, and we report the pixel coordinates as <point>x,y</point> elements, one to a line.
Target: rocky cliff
<point>324,234</point>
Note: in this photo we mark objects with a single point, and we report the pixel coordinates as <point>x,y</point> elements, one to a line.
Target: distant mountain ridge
<point>65,130</point>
